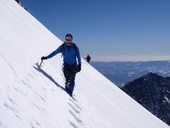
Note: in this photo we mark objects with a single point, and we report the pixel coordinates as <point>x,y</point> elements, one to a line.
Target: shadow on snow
<point>49,77</point>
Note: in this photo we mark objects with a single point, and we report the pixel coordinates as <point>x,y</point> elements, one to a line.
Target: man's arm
<point>58,50</point>
<point>78,56</point>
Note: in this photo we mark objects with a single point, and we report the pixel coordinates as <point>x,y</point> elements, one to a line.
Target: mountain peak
<point>152,75</point>
<point>151,91</point>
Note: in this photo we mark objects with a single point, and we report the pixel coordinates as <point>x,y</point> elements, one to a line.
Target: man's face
<point>68,40</point>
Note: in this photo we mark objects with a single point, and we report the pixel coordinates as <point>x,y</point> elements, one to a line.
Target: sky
<point>109,30</point>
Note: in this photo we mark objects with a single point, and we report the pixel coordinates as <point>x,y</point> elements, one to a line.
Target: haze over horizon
<point>109,30</point>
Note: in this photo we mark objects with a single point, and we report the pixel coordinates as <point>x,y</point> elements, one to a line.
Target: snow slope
<point>34,98</point>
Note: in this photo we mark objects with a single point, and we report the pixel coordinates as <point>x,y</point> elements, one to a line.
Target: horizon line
<point>134,58</point>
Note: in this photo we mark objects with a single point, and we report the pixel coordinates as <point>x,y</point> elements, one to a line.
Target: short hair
<point>69,35</point>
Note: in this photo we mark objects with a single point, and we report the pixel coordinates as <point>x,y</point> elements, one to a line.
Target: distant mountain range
<point>123,72</point>
<point>149,86</point>
<point>153,92</point>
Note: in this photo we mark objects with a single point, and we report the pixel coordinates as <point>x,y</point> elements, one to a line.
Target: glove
<point>44,58</point>
<point>79,68</point>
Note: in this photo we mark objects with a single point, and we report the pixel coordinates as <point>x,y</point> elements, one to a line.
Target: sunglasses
<point>68,39</point>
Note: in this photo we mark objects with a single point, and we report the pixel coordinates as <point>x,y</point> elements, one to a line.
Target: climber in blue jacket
<point>71,54</point>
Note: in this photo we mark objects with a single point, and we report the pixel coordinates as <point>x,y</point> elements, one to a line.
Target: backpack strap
<point>75,48</point>
<point>63,48</point>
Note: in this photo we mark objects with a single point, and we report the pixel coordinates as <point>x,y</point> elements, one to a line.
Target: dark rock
<point>153,92</point>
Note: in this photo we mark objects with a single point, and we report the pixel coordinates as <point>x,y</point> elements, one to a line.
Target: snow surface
<point>34,98</point>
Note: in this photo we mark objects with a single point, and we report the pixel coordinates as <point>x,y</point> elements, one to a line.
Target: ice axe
<point>39,65</point>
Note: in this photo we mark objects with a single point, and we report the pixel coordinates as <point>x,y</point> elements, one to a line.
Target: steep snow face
<point>31,97</point>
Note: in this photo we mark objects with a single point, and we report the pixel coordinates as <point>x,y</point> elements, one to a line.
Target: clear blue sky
<point>109,29</point>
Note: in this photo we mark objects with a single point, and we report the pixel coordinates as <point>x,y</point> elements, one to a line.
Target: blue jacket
<point>70,54</point>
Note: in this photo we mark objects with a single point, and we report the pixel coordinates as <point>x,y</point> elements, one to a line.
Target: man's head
<point>68,39</point>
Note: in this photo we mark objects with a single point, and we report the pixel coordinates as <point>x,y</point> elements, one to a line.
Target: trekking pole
<point>41,63</point>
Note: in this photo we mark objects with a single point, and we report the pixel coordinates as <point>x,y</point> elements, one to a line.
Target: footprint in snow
<point>2,125</point>
<point>72,124</point>
<point>74,108</point>
<point>75,112</point>
<point>75,104</point>
<point>75,117</point>
<point>25,83</point>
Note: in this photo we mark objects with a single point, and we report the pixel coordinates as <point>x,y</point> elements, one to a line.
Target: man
<point>17,1</point>
<point>88,58</point>
<point>70,54</point>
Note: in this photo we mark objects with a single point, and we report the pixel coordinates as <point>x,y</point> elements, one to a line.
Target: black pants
<point>69,74</point>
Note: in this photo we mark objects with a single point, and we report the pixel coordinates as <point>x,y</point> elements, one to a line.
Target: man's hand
<point>79,68</point>
<point>43,58</point>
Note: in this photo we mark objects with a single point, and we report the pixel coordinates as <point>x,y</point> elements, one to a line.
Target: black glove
<point>79,68</point>
<point>44,58</point>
